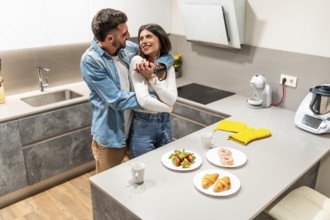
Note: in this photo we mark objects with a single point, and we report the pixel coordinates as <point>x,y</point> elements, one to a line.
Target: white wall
<point>296,25</point>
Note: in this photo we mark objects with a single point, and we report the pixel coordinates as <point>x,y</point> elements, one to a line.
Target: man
<point>104,67</point>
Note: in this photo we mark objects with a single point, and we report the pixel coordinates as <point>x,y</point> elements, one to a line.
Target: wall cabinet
<point>23,24</point>
<point>35,23</point>
<point>67,21</point>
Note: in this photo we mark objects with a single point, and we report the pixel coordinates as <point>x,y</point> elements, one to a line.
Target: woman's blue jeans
<point>149,131</point>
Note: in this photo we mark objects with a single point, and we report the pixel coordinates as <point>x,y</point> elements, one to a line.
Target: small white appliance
<point>312,114</point>
<point>262,93</point>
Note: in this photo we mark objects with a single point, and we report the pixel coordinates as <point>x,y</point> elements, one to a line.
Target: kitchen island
<point>288,158</point>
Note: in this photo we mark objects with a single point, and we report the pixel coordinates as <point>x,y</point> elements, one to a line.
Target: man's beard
<point>119,45</point>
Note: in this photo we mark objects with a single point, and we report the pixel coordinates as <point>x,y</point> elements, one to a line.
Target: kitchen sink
<point>50,98</point>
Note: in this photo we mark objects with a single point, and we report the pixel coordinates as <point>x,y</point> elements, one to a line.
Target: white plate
<point>168,162</point>
<point>235,183</point>
<point>238,157</point>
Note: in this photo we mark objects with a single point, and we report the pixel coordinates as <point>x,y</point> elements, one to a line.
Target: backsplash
<point>232,70</point>
<point>19,67</point>
<point>226,69</point>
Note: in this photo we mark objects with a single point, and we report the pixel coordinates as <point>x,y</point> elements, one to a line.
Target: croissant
<point>209,179</point>
<point>222,184</point>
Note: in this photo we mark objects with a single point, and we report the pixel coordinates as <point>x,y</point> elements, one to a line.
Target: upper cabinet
<point>22,23</point>
<point>35,23</point>
<point>67,21</point>
<point>214,22</point>
<point>148,11</point>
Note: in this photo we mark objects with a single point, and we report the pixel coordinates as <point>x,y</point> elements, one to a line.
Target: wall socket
<point>290,80</point>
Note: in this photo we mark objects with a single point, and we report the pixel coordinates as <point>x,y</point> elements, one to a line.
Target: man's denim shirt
<point>107,100</point>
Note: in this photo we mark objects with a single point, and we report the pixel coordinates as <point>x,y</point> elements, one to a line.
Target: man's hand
<point>146,68</point>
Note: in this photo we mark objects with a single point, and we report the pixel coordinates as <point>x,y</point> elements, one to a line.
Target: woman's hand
<point>146,68</point>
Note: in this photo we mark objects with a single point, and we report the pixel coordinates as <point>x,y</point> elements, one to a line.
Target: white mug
<point>138,172</point>
<point>207,140</point>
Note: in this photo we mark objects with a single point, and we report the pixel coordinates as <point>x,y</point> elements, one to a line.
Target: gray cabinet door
<point>187,119</point>
<point>49,124</point>
<point>12,166</point>
<point>52,157</point>
<point>56,141</point>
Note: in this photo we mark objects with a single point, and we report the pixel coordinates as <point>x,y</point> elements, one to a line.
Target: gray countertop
<point>14,107</point>
<point>273,165</point>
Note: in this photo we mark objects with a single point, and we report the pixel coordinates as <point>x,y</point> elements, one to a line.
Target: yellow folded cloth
<point>249,134</point>
<point>228,125</point>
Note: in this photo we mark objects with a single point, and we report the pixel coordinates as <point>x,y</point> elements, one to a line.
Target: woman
<point>151,127</point>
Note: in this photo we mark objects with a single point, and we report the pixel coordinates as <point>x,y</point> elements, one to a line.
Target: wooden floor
<point>70,200</point>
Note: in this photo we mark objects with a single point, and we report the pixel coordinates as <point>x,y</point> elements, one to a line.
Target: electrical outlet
<point>290,80</point>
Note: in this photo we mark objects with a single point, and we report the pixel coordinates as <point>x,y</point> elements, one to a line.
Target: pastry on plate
<point>226,157</point>
<point>224,151</point>
<point>222,184</point>
<point>227,160</point>
<point>209,179</point>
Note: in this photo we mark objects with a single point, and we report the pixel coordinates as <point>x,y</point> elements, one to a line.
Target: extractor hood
<point>214,22</point>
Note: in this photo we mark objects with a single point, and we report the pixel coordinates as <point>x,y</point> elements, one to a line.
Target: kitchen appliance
<point>313,113</point>
<point>320,103</point>
<point>202,94</point>
<point>262,93</point>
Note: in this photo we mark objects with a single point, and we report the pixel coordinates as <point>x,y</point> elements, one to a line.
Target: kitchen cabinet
<point>43,146</point>
<point>12,166</point>
<point>67,21</point>
<point>153,11</point>
<point>56,141</point>
<point>187,119</point>
<point>23,24</point>
<point>35,23</point>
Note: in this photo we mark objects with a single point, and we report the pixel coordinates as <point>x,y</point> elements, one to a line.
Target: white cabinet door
<point>139,12</point>
<point>148,11</point>
<point>22,24</point>
<point>161,13</point>
<point>67,21</point>
<point>95,5</point>
<point>33,23</point>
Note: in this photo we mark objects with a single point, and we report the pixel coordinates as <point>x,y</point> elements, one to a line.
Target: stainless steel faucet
<point>42,85</point>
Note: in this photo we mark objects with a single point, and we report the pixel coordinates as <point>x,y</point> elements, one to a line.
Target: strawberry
<point>176,161</point>
<point>189,158</point>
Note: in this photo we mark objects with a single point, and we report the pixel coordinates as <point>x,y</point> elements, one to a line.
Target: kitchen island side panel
<point>107,208</point>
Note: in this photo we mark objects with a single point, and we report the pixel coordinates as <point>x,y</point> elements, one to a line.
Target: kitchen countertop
<point>273,165</point>
<point>14,107</point>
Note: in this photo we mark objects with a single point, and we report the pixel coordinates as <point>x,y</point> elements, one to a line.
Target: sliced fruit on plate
<point>182,158</point>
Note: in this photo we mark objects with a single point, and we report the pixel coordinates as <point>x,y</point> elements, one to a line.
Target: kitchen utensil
<point>262,93</point>
<point>306,119</point>
<point>138,172</point>
<point>207,140</point>
<point>320,103</point>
